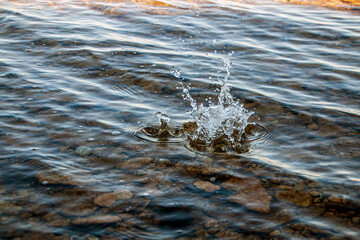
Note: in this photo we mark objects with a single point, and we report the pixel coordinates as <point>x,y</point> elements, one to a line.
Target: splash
<point>220,125</point>
<point>160,134</point>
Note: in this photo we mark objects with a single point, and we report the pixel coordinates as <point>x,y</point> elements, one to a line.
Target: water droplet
<point>176,73</point>
<point>163,118</point>
<point>145,194</point>
<point>115,133</point>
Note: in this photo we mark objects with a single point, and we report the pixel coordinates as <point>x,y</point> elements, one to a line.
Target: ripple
<point>155,134</point>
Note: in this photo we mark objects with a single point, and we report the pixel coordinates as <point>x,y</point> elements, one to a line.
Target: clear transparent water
<point>78,78</point>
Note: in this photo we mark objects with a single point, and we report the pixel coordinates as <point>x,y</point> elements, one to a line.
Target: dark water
<point>77,79</point>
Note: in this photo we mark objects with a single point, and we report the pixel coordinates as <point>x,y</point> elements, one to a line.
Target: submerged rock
<point>335,198</point>
<point>206,186</point>
<point>10,208</point>
<point>229,235</point>
<point>75,209</point>
<point>32,235</point>
<point>250,193</point>
<point>134,163</point>
<point>123,194</point>
<point>83,151</point>
<point>105,200</point>
<point>102,219</point>
<point>52,177</point>
<point>299,198</point>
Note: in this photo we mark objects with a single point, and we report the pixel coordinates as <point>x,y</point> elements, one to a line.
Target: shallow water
<point>78,78</point>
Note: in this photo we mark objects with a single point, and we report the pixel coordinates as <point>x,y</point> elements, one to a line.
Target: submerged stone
<point>123,194</point>
<point>105,200</point>
<point>299,198</point>
<point>134,163</point>
<point>206,186</point>
<point>83,151</point>
<point>75,209</point>
<point>102,219</point>
<point>335,198</point>
<point>250,193</point>
<point>52,177</point>
<point>32,235</point>
<point>229,235</point>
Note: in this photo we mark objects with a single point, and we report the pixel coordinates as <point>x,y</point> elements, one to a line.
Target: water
<point>78,78</point>
<point>215,127</point>
<point>218,126</point>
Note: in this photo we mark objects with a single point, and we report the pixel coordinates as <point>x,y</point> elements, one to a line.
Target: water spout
<point>221,125</point>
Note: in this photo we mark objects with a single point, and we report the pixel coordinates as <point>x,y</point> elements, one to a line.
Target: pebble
<point>275,233</point>
<point>315,184</point>
<point>102,219</point>
<point>59,223</point>
<point>229,235</point>
<point>105,200</point>
<point>46,177</point>
<point>78,209</point>
<point>335,198</point>
<point>287,187</point>
<point>314,193</point>
<point>313,126</point>
<point>300,198</point>
<point>356,220</point>
<point>328,130</point>
<point>123,194</point>
<point>250,193</point>
<point>135,163</point>
<point>206,186</point>
<point>83,151</point>
<point>93,238</point>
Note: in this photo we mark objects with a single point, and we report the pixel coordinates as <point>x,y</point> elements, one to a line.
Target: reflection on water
<point>78,78</point>
<point>116,7</point>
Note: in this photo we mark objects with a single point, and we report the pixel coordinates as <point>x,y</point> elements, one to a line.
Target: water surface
<point>78,78</point>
